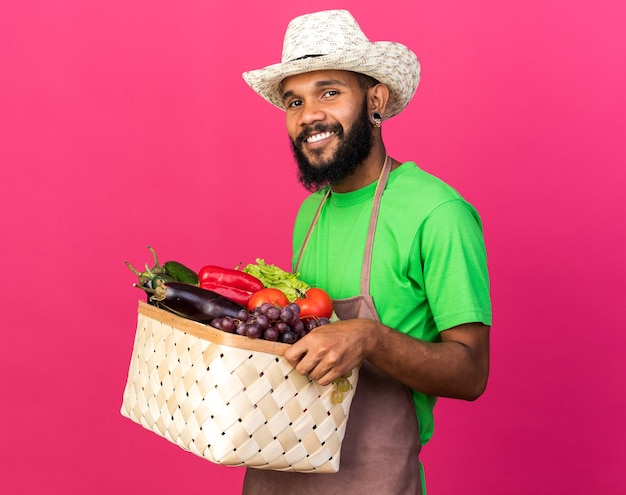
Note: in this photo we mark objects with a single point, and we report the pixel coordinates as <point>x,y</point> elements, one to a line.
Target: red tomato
<point>270,295</point>
<point>316,302</point>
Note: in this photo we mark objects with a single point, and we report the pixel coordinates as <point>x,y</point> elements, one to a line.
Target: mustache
<point>317,128</point>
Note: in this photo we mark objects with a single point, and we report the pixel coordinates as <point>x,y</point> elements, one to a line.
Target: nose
<point>310,113</point>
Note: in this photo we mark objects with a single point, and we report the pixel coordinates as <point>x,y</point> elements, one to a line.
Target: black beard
<point>354,147</point>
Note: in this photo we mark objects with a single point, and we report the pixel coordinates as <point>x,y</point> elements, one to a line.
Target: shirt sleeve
<point>454,263</point>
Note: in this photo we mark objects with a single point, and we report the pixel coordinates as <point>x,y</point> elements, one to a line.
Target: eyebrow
<point>318,84</point>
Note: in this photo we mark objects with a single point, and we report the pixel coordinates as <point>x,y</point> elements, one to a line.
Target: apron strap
<point>310,231</point>
<point>369,245</point>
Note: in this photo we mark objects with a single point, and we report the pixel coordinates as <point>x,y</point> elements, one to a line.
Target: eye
<point>330,93</point>
<point>293,103</point>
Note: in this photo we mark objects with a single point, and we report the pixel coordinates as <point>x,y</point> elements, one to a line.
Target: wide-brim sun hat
<point>333,40</point>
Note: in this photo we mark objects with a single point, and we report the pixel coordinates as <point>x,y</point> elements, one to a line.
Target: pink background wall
<point>124,123</point>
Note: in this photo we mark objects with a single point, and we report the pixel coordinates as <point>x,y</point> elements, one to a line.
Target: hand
<point>331,350</point>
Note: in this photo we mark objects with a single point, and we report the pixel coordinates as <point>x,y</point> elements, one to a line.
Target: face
<point>328,124</point>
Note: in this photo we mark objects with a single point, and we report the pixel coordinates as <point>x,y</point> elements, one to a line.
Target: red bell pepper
<point>233,284</point>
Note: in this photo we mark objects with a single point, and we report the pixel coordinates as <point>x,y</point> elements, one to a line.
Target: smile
<point>319,137</point>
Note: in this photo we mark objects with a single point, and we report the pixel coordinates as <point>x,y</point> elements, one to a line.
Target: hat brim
<point>392,64</point>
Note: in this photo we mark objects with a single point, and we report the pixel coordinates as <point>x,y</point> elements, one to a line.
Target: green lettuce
<point>277,278</point>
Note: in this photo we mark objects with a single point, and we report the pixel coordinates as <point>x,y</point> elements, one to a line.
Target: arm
<point>450,267</point>
<point>457,366</point>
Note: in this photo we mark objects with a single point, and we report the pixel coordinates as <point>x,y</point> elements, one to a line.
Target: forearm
<point>456,367</point>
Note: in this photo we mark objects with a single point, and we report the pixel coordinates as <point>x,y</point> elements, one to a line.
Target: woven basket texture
<point>231,404</point>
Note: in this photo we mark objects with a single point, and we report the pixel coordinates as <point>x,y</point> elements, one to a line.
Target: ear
<point>377,98</point>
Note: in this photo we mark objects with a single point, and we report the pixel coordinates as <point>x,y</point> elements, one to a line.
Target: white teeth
<point>318,137</point>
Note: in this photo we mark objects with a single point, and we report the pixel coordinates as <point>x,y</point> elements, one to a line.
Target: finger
<point>295,353</point>
<point>322,373</point>
<point>326,378</point>
<point>300,358</point>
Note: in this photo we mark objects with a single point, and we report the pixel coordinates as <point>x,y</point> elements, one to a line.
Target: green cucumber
<point>181,273</point>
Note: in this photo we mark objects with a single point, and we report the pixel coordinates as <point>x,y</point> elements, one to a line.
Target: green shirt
<point>429,267</point>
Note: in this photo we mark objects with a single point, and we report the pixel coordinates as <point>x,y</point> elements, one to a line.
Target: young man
<point>400,252</point>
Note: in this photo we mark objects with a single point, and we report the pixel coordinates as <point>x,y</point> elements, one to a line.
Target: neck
<point>367,172</point>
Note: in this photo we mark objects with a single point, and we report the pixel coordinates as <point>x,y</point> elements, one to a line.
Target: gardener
<point>401,253</point>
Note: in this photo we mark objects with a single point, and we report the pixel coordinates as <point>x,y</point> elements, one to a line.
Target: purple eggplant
<point>192,302</point>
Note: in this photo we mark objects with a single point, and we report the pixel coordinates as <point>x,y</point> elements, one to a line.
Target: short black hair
<point>365,82</point>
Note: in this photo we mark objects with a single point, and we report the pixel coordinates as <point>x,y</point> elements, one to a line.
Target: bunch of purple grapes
<point>270,322</point>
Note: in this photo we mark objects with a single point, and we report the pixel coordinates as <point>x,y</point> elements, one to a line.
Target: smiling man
<point>401,253</point>
<point>324,151</point>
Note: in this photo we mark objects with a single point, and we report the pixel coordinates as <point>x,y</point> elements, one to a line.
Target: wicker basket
<point>229,399</point>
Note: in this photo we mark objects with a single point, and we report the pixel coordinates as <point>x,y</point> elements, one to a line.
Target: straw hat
<point>332,40</point>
